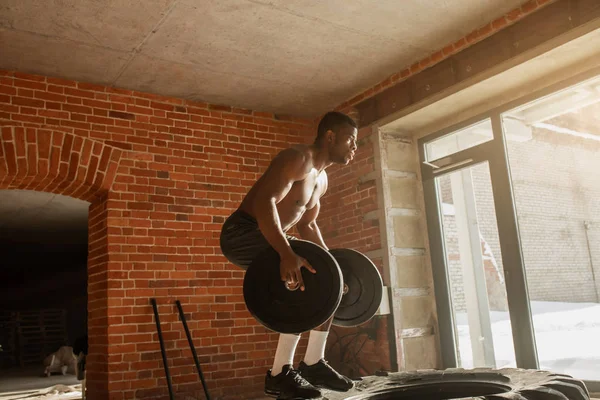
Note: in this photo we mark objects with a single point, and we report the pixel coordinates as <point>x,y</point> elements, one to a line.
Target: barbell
<point>346,285</point>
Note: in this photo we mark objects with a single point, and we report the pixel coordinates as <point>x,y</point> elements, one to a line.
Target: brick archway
<point>62,163</point>
<point>57,162</point>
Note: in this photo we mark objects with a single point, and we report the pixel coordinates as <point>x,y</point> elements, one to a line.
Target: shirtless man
<point>287,195</point>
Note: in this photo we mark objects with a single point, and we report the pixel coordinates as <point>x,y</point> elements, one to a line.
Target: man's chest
<point>307,192</point>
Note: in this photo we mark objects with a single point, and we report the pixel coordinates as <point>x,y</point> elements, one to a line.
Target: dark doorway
<point>43,282</point>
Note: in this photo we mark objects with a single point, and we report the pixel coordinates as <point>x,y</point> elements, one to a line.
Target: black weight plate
<point>285,311</point>
<point>365,288</point>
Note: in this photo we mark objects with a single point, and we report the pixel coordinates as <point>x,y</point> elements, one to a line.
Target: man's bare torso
<point>303,194</point>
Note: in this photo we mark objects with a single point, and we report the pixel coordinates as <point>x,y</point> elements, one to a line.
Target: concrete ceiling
<point>296,57</point>
<point>29,216</point>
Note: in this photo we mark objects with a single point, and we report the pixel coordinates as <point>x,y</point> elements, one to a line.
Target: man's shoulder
<point>296,160</point>
<point>301,148</point>
<point>296,153</point>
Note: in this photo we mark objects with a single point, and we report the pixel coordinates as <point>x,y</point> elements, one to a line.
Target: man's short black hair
<point>333,120</point>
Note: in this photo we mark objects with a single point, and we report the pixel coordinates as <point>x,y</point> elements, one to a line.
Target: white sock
<point>285,352</point>
<point>316,347</point>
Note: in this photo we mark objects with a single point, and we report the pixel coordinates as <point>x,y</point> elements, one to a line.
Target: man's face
<point>343,145</point>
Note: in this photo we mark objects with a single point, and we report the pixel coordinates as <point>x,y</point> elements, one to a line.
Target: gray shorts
<point>241,241</point>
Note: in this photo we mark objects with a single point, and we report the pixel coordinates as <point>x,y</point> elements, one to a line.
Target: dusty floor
<point>30,378</point>
<point>29,384</point>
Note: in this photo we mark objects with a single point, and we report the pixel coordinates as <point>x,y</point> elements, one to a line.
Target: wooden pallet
<point>8,339</point>
<point>34,334</point>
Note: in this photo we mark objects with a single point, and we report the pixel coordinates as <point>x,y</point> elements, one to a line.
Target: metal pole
<point>162,348</point>
<point>512,257</point>
<point>441,283</point>
<point>586,226</point>
<point>189,338</point>
<point>474,284</point>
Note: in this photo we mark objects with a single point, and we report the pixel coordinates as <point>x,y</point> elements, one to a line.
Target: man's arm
<point>308,228</point>
<point>285,169</point>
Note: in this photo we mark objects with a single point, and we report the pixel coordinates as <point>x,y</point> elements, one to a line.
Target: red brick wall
<point>161,174</point>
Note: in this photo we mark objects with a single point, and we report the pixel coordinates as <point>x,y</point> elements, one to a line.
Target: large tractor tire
<point>480,383</point>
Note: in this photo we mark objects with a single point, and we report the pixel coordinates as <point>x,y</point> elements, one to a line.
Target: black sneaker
<point>322,375</point>
<point>289,384</point>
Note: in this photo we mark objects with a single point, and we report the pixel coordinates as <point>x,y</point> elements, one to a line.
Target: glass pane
<point>554,157</point>
<point>459,140</point>
<point>479,304</point>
